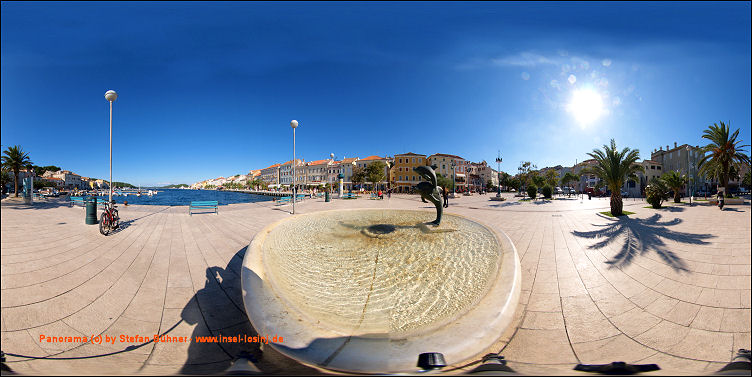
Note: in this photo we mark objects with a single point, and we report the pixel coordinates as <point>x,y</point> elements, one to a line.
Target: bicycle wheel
<point>104,224</point>
<point>115,219</point>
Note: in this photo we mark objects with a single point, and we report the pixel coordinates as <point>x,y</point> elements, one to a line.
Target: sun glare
<point>586,106</point>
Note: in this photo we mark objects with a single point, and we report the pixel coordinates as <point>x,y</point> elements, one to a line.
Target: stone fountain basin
<point>368,290</point>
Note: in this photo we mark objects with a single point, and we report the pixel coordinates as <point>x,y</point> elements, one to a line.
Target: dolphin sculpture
<point>430,190</point>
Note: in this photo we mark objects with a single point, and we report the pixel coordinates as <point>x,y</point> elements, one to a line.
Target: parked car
<point>624,194</point>
<point>558,190</point>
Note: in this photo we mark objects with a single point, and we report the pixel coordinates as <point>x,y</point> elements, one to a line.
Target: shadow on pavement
<point>218,310</point>
<point>505,204</point>
<point>641,236</point>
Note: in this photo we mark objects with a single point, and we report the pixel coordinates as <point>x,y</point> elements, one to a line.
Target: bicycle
<point>110,219</point>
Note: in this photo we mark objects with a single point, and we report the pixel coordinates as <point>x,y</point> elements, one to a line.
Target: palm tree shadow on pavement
<point>643,235</point>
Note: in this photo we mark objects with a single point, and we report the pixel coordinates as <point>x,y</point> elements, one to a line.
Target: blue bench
<point>207,204</point>
<point>350,196</point>
<point>76,200</point>
<point>376,196</point>
<point>284,200</point>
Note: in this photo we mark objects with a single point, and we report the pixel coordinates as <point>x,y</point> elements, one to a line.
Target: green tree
<point>747,180</point>
<point>551,176</point>
<point>40,170</point>
<point>537,179</point>
<point>614,167</point>
<point>504,179</point>
<point>358,175</point>
<point>514,182</point>
<point>523,172</point>
<point>444,182</point>
<point>14,159</point>
<point>674,181</point>
<point>375,173</point>
<point>568,178</point>
<point>722,153</point>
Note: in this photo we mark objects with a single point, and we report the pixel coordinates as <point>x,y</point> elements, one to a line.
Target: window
<point>659,168</point>
<point>413,160</point>
<point>652,167</point>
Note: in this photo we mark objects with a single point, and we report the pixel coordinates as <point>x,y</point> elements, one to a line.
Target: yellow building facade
<point>402,175</point>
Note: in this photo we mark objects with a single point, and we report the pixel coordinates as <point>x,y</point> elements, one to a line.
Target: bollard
<point>327,197</point>
<point>91,211</point>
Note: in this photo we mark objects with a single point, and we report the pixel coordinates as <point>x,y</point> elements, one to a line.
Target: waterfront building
<point>316,172</point>
<point>403,177</point>
<point>346,169</point>
<point>686,162</point>
<point>443,164</point>
<point>270,175</point>
<point>365,162</point>
<point>286,173</point>
<point>479,173</point>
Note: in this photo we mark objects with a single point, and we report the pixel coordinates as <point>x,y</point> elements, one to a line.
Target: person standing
<point>721,199</point>
<point>445,194</point>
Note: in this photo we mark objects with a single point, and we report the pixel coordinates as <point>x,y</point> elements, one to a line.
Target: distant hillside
<point>176,186</point>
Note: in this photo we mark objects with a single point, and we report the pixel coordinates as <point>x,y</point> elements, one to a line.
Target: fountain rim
<point>479,327</point>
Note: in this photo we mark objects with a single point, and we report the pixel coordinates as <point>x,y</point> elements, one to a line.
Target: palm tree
<point>722,153</point>
<point>15,158</point>
<point>674,180</point>
<point>614,167</point>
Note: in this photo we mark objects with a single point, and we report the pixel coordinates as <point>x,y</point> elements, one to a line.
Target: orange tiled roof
<point>409,154</point>
<point>318,162</point>
<point>349,159</point>
<point>369,158</point>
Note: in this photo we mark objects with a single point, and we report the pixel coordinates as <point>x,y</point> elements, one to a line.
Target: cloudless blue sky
<point>209,89</point>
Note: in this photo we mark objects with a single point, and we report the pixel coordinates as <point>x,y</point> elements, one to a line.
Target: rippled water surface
<point>380,271</point>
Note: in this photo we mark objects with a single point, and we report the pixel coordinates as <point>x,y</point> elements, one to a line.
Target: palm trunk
<point>616,203</point>
<point>15,182</point>
<point>677,197</point>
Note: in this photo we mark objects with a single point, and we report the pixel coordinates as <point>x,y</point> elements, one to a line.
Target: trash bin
<point>91,210</point>
<point>327,197</point>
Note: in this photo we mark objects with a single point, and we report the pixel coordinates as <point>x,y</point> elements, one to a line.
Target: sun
<point>586,106</point>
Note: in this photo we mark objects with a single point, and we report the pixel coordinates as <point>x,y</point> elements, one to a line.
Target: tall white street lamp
<point>498,173</point>
<point>110,96</point>
<point>454,179</point>
<point>689,176</point>
<point>294,125</point>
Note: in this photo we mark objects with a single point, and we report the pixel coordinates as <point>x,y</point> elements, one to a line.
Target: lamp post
<point>294,125</point>
<point>689,176</point>
<point>454,184</point>
<point>498,174</point>
<point>110,96</point>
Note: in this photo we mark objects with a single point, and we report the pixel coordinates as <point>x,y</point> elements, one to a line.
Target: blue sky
<point>209,89</point>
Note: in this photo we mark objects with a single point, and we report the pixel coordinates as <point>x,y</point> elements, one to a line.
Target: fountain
<point>368,290</point>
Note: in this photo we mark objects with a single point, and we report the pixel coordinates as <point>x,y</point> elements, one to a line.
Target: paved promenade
<point>669,286</point>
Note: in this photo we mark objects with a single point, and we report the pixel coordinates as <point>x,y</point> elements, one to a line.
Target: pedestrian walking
<point>445,194</point>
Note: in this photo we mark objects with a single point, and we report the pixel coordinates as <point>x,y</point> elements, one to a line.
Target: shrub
<point>654,196</point>
<point>547,191</point>
<point>532,191</point>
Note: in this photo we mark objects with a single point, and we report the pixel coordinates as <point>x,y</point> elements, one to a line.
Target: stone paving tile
<point>619,347</point>
<point>555,343</point>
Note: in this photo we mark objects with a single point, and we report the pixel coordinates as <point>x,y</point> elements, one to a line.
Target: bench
<point>284,200</point>
<point>375,196</point>
<point>37,195</point>
<point>350,196</point>
<point>207,204</point>
<point>76,200</point>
